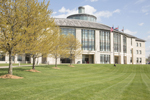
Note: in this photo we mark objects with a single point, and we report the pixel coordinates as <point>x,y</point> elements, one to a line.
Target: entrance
<point>44,60</point>
<point>116,59</point>
<point>125,60</point>
<point>86,59</point>
<point>65,60</point>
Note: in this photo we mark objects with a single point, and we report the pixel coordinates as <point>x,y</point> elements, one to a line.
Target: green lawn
<point>82,82</point>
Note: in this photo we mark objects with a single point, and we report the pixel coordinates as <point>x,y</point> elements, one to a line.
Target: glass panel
<point>68,30</point>
<point>104,59</point>
<point>104,40</point>
<point>19,58</point>
<point>88,39</point>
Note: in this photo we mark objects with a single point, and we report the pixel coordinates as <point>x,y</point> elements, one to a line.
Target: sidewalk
<point>17,66</point>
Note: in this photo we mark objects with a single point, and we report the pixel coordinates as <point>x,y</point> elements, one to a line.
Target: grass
<point>82,82</point>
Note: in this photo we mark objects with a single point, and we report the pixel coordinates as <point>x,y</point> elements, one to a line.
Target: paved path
<point>17,66</point>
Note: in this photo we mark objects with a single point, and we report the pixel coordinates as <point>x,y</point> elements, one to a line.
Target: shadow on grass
<point>50,66</point>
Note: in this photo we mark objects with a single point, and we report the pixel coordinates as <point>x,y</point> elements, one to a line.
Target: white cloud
<point>146,9</point>
<point>130,32</point>
<point>105,14</point>
<point>116,11</point>
<point>146,13</point>
<point>54,13</point>
<point>66,12</point>
<point>93,0</point>
<point>139,1</point>
<point>148,38</point>
<point>89,10</point>
<point>148,32</point>
<point>141,24</point>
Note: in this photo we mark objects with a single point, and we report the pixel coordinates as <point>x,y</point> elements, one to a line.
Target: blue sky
<point>133,15</point>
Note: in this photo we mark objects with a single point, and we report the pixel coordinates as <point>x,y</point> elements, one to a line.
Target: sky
<point>133,15</point>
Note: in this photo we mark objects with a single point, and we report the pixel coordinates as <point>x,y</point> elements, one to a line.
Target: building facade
<point>99,44</point>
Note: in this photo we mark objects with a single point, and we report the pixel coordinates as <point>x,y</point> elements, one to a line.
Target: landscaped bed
<point>82,82</point>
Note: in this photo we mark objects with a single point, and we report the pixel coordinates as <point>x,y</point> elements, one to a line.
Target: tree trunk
<point>14,59</point>
<point>56,62</point>
<point>70,59</point>
<point>10,64</point>
<point>33,67</point>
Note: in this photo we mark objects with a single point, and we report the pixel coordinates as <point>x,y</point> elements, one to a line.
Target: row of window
<point>138,44</point>
<point>104,59</point>
<point>138,52</point>
<point>2,58</point>
<point>88,40</point>
<point>81,17</point>
<point>139,60</point>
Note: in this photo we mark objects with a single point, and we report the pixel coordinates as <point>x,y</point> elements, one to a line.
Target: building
<point>99,44</point>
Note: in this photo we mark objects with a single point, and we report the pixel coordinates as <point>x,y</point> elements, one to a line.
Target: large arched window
<point>88,39</point>
<point>104,40</point>
<point>117,42</point>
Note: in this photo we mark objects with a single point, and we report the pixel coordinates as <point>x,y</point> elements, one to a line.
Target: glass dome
<point>82,15</point>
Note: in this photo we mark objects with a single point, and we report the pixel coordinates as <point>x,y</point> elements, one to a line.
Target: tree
<point>26,27</point>
<point>73,47</point>
<point>39,26</point>
<point>11,26</point>
<point>58,46</point>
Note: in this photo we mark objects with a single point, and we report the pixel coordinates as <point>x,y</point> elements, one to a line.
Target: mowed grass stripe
<point>61,81</point>
<point>78,83</point>
<point>137,90</point>
<point>34,86</point>
<point>94,87</point>
<point>145,78</point>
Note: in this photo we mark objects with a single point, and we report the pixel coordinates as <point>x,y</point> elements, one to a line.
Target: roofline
<point>82,14</point>
<point>128,35</point>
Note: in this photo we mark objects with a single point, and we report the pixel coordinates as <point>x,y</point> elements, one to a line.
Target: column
<point>112,48</point>
<point>129,47</point>
<point>121,53</point>
<point>79,37</point>
<point>97,48</point>
<point>134,51</point>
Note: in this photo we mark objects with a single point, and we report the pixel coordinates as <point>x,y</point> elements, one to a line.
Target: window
<point>88,39</point>
<point>117,42</point>
<point>137,52</point>
<point>131,51</point>
<point>104,40</point>
<point>140,60</point>
<point>124,44</point>
<point>104,59</point>
<point>137,60</point>
<point>12,58</point>
<point>140,45</point>
<point>130,59</point>
<point>2,57</point>
<point>27,57</point>
<point>68,30</point>
<point>140,52</point>
<point>137,44</point>
<point>19,58</point>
